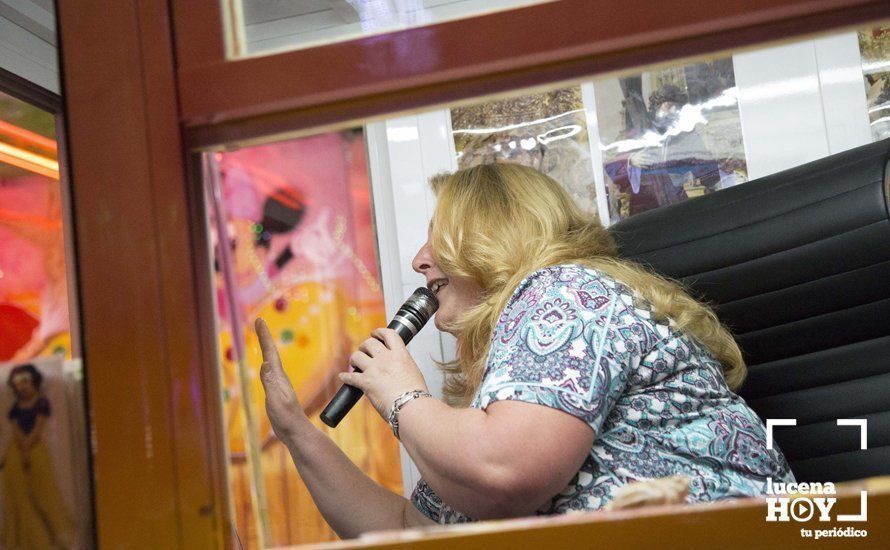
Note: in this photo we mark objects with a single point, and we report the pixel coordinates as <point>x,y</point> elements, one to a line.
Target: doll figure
<point>34,514</point>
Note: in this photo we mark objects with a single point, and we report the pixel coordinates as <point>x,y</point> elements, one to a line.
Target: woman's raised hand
<point>282,406</point>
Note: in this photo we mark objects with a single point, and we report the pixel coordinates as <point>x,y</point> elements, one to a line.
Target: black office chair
<point>797,264</point>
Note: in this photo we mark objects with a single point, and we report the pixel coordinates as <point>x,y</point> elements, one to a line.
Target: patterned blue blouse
<point>575,339</point>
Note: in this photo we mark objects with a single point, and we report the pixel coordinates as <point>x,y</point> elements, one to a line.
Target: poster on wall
<point>547,131</point>
<point>301,256</point>
<point>874,47</point>
<point>296,248</point>
<point>669,135</point>
<point>39,493</point>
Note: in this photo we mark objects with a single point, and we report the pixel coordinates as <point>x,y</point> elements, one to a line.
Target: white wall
<point>800,102</point>
<point>843,92</point>
<point>403,153</point>
<point>780,105</point>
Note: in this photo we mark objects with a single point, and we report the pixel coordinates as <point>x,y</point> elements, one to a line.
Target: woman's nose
<point>424,259</point>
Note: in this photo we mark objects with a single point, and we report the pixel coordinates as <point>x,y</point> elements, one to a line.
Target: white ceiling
<point>28,41</point>
<point>262,11</point>
<point>35,16</point>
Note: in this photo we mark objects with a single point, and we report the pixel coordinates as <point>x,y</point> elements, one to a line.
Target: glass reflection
<point>670,135</point>
<point>269,26</point>
<point>547,131</point>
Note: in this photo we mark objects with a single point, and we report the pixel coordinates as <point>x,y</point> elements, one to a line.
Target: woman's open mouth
<point>437,284</point>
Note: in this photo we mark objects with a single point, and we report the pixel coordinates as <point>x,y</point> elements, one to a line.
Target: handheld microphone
<point>408,321</point>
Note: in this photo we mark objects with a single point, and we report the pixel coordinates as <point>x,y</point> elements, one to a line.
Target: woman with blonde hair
<point>577,373</point>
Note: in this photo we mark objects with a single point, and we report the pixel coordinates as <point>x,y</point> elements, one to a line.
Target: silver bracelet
<point>397,405</point>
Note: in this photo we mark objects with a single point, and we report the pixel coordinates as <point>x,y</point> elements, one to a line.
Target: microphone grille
<point>424,302</point>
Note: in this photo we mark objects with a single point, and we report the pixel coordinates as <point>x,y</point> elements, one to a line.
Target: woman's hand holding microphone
<point>387,371</point>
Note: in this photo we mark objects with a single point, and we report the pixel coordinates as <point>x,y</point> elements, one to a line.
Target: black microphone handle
<point>348,396</point>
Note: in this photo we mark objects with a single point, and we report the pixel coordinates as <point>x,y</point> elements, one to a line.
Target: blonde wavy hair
<point>497,223</point>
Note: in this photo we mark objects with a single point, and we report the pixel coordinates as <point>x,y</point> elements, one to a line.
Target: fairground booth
<point>170,170</point>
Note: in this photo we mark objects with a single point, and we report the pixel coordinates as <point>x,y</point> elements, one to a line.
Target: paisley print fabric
<point>574,339</point>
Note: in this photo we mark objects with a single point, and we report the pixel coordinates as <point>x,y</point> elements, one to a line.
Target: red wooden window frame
<point>223,100</point>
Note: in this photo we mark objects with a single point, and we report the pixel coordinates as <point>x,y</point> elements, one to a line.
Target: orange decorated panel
<point>293,243</point>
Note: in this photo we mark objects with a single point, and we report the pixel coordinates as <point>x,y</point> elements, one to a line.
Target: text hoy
<point>803,507</point>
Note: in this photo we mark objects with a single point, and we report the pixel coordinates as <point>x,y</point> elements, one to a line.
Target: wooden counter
<point>739,523</point>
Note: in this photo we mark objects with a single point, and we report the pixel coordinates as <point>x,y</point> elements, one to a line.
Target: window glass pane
<point>621,144</point>
<point>300,254</point>
<point>265,27</point>
<point>44,494</point>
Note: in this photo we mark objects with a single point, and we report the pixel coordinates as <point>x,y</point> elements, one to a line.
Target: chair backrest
<point>797,265</point>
